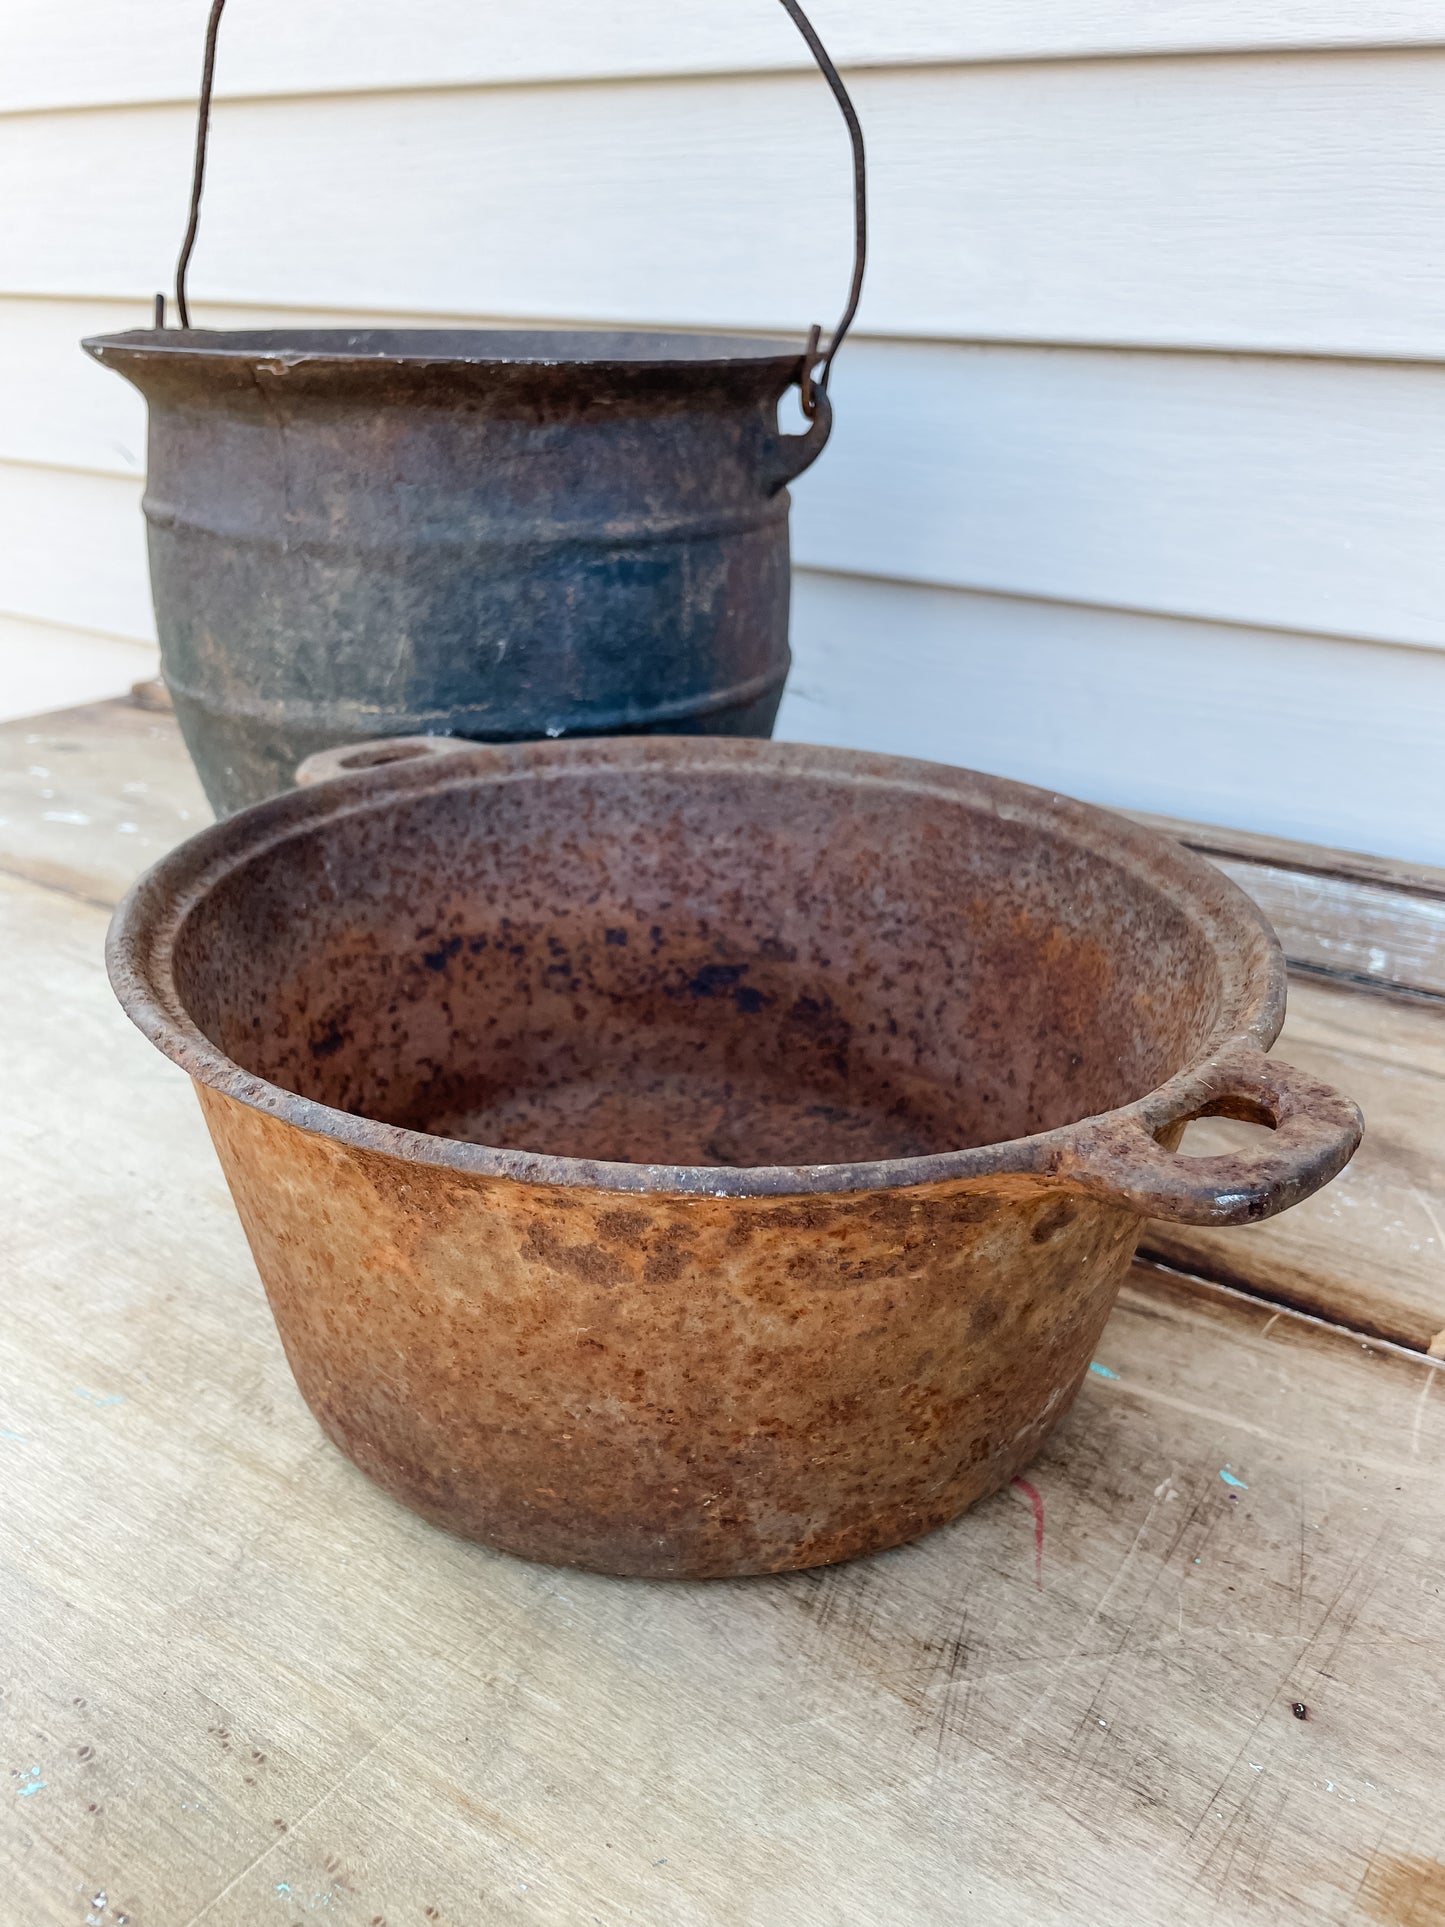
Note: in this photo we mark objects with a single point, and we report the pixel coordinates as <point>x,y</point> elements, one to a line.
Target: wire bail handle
<point>809,383</point>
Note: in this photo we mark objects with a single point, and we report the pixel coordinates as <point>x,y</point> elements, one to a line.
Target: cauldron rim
<point>381,349</point>
<point>147,926</point>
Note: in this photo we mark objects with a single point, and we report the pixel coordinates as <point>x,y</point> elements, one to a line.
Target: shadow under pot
<point>702,1157</point>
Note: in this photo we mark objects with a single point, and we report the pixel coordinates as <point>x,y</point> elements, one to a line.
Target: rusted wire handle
<point>1315,1134</point>
<point>813,355</point>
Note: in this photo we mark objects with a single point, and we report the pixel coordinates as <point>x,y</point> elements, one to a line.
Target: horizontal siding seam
<point>1042,344</point>
<point>49,466</point>
<point>87,629</point>
<point>772,70</point>
<point>1145,612</point>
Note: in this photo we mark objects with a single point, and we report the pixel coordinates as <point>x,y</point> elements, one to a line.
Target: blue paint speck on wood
<point>1229,1479</point>
<point>1103,1371</point>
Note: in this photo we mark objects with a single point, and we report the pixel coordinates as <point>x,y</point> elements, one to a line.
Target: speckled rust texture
<point>738,969</point>
<point>671,1386</point>
<point>706,1157</point>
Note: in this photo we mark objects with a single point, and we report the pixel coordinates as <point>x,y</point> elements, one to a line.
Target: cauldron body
<point>483,534</point>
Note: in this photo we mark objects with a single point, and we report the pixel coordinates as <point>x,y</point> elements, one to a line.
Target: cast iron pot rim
<point>322,349</point>
<point>149,920</point>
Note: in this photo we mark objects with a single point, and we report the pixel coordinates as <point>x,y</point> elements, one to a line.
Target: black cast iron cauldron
<point>477,533</point>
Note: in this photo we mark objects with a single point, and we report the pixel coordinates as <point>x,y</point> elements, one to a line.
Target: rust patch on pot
<point>684,1401</point>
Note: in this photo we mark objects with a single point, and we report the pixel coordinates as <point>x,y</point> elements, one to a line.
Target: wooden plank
<point>1369,1251</point>
<point>1299,495</point>
<point>1237,203</point>
<point>1220,725</point>
<point>1380,937</point>
<point>149,50</point>
<point>1420,881</point>
<point>93,795</point>
<point>243,1686</point>
<point>60,408</point>
<point>1338,914</point>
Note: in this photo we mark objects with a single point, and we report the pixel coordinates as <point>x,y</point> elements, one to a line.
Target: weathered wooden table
<point>240,1686</point>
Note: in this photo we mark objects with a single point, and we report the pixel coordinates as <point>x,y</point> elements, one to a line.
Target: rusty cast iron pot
<point>687,1157</point>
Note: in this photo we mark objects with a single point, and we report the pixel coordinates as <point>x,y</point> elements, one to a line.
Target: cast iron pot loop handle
<point>813,387</point>
<point>1315,1134</point>
<point>788,455</point>
<point>349,759</point>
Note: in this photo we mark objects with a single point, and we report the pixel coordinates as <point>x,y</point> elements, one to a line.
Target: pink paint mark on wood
<point>1035,1499</point>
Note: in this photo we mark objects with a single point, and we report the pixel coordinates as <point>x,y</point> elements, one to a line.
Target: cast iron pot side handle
<point>350,758</point>
<point>794,452</point>
<point>789,455</point>
<point>1315,1134</point>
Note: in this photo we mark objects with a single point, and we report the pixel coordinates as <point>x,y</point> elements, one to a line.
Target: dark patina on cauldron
<point>694,1157</point>
<point>473,532</point>
<point>476,534</point>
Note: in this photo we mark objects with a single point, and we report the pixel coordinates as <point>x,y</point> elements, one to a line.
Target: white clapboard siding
<point>1257,203</point>
<point>108,51</point>
<point>59,407</point>
<point>1304,495</point>
<point>46,667</point>
<point>74,551</point>
<point>1330,742</point>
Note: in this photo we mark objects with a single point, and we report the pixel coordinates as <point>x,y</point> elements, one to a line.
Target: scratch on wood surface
<point>1230,1841</point>
<point>1126,1640</point>
<point>1365,1566</point>
<point>930,1671</point>
<point>288,1838</point>
<point>1429,1210</point>
<point>1369,1866</point>
<point>1249,1878</point>
<point>1212,1803</point>
<point>1416,1421</point>
<point>1043,1699</point>
<point>1347,1453</point>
